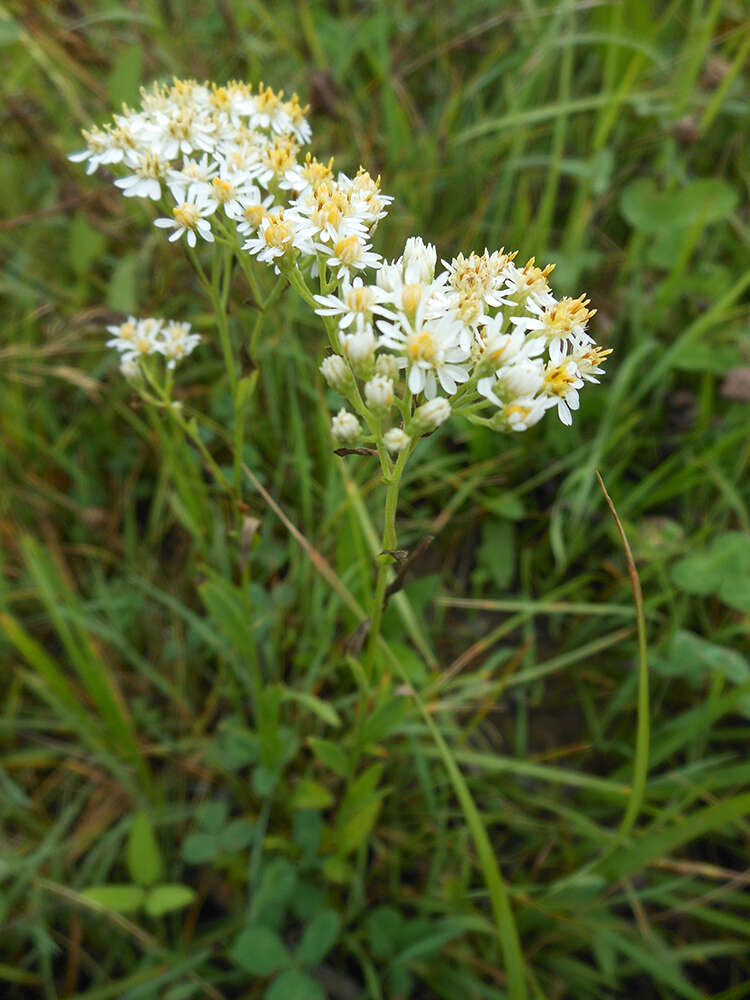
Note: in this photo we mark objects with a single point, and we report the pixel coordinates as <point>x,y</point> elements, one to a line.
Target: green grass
<point>168,655</point>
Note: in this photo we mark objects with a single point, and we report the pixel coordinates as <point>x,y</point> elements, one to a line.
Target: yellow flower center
<point>359,300</point>
<point>186,214</point>
<point>143,346</point>
<point>348,250</point>
<point>127,331</point>
<point>410,296</point>
<point>277,233</point>
<point>421,347</point>
<point>511,411</point>
<point>558,379</point>
<point>222,189</point>
<point>254,214</point>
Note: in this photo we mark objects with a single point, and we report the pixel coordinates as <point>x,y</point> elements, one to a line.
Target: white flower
<point>190,217</point>
<point>177,342</point>
<point>359,348</point>
<point>277,235</point>
<point>337,373</point>
<point>123,336</point>
<point>345,427</point>
<point>195,175</point>
<point>148,171</point>
<point>431,350</point>
<point>379,394</point>
<point>525,378</point>
<point>500,348</point>
<point>356,303</point>
<point>181,130</point>
<point>387,365</point>
<point>561,384</point>
<point>529,284</point>
<point>522,413</point>
<point>248,209</point>
<point>352,253</point>
<point>396,439</point>
<point>129,365</point>
<point>559,323</point>
<point>140,344</point>
<point>432,414</point>
<point>418,261</point>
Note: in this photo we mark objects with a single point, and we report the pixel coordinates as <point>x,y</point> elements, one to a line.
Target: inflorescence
<point>483,337</point>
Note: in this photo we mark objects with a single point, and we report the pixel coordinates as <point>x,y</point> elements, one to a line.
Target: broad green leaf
<point>695,659</point>
<point>166,898</point>
<point>144,859</point>
<point>723,569</point>
<point>277,885</point>
<point>383,720</point>
<point>212,815</point>
<point>199,848</point>
<point>125,76</point>
<point>122,291</point>
<point>653,211</point>
<point>505,504</point>
<point>294,985</point>
<point>237,835</point>
<point>260,951</point>
<point>318,938</point>
<point>86,244</point>
<point>330,754</point>
<point>120,898</point>
<point>384,931</point>
<point>497,553</point>
<point>308,794</point>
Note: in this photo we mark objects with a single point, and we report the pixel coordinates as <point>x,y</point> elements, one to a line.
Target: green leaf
<point>120,898</point>
<point>384,930</point>
<point>723,569</point>
<point>166,898</point>
<point>296,985</point>
<point>229,609</point>
<point>321,708</point>
<point>260,951</point>
<point>695,659</point>
<point>308,794</point>
<point>652,211</point>
<point>199,848</point>
<point>125,76</point>
<point>122,293</point>
<point>319,937</point>
<point>359,810</point>
<point>144,860</point>
<point>497,553</point>
<point>505,504</point>
<point>212,815</point>
<point>277,885</point>
<point>86,244</point>
<point>237,835</point>
<point>331,755</point>
<point>383,720</point>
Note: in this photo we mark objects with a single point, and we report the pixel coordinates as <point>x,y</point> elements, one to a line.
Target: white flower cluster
<point>138,338</point>
<point>483,334</point>
<point>482,331</point>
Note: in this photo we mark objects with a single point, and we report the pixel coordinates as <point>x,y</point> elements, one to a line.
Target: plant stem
<point>389,544</point>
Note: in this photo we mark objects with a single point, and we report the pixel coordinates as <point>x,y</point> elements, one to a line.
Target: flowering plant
<point>409,344</point>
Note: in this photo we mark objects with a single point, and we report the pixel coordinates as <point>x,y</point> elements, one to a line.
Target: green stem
<point>389,543</point>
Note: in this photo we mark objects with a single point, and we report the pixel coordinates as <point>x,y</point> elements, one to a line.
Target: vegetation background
<point>306,842</point>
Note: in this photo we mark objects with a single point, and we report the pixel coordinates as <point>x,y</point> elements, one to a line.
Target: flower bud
<point>359,348</point>
<point>396,439</point>
<point>337,373</point>
<point>387,365</point>
<point>523,379</point>
<point>431,415</point>
<point>419,261</point>
<point>345,427</point>
<point>379,394</point>
<point>129,366</point>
